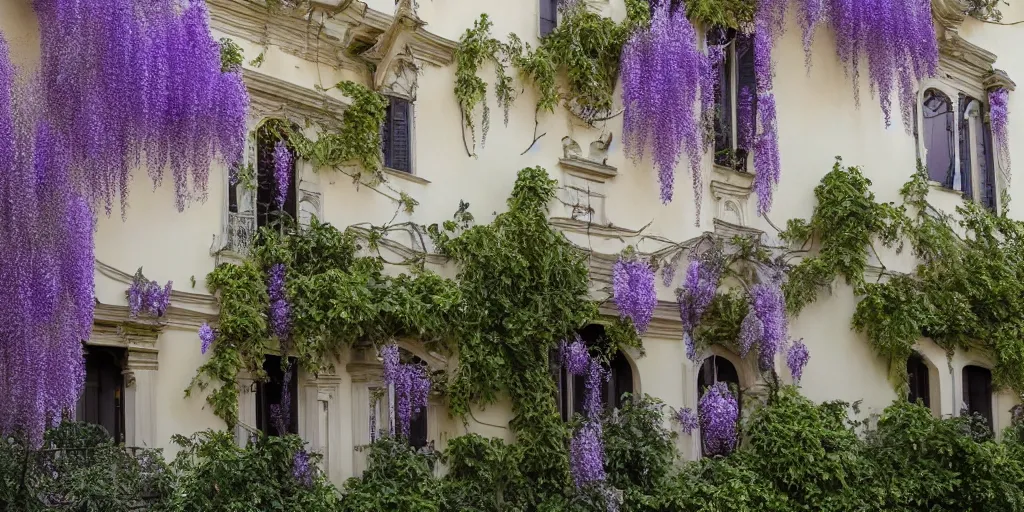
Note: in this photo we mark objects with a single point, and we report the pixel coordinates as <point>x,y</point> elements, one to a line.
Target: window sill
<point>939,187</point>
<point>407,176</point>
<point>734,177</point>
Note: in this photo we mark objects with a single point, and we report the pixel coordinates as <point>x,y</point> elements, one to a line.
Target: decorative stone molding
<point>949,14</point>
<point>396,70</point>
<point>588,169</point>
<point>588,228</point>
<point>727,230</point>
<point>998,79</point>
<point>273,97</point>
<point>422,44</point>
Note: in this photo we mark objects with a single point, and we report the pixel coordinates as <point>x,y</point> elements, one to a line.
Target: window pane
<point>939,136</point>
<point>723,121</point>
<point>917,378</point>
<point>977,391</point>
<point>266,209</point>
<point>270,394</point>
<point>986,163</point>
<point>548,16</point>
<point>746,97</point>
<point>397,137</point>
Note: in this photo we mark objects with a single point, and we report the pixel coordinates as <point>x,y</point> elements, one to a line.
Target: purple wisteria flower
<point>301,470</point>
<point>206,335</point>
<point>147,296</point>
<point>769,304</point>
<point>999,112</point>
<point>586,454</point>
<point>596,376</point>
<point>796,359</point>
<point>751,332</point>
<point>897,39</point>
<point>46,269</point>
<point>634,291</point>
<point>719,413</point>
<point>687,420</point>
<point>663,73</point>
<point>280,310</point>
<point>575,356</point>
<point>668,271</point>
<point>411,387</point>
<point>702,278</point>
<point>282,173</point>
<point>142,78</point>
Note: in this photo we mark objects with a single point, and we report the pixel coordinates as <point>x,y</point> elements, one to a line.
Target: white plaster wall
<point>818,120</point>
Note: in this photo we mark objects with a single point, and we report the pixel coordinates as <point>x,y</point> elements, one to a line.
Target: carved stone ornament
<point>949,14</point>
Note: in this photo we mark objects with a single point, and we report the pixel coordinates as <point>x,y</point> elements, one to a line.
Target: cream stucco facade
<point>818,120</point>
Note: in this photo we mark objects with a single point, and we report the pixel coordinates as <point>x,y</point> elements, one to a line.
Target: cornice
<point>177,296</point>
<point>998,79</point>
<point>664,324</point>
<point>583,227</point>
<point>273,97</point>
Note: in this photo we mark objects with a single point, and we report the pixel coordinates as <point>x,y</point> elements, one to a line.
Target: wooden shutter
<point>398,135</point>
<point>548,16</point>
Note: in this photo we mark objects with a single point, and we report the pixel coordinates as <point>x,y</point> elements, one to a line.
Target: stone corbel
<point>998,79</point>
<point>400,38</point>
<point>950,14</point>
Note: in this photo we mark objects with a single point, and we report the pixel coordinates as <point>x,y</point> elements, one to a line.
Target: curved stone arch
<point>630,355</point>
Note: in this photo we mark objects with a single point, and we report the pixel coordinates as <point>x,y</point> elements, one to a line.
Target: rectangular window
<point>102,400</point>
<point>397,135</point>
<point>266,183</point>
<point>735,121</point>
<point>548,16</point>
<point>956,143</point>
<point>270,414</point>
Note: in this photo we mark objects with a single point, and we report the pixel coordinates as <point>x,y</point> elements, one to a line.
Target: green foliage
<point>846,222</point>
<point>721,323</point>
<point>215,475</point>
<point>483,475</point>
<point>524,287</point>
<point>80,469</point>
<point>396,479</point>
<point>639,450</point>
<point>357,140</point>
<point>476,48</point>
<point>231,57</point>
<point>986,10</point>
<point>722,13</point>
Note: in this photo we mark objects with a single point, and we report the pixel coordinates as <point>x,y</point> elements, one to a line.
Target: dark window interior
<point>939,137</point>
<point>735,101</point>
<point>572,388</point>
<point>266,210</point>
<point>418,425</point>
<point>917,378</point>
<point>269,393</point>
<point>717,369</point>
<point>977,384</point>
<point>988,171</point>
<point>102,400</point>
<point>548,16</point>
<point>397,135</point>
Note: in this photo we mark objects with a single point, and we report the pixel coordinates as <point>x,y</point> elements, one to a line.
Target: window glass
<point>571,389</point>
<point>277,400</point>
<point>267,137</point>
<point>939,137</point>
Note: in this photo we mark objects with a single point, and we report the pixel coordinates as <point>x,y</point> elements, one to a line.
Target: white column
<point>140,396</point>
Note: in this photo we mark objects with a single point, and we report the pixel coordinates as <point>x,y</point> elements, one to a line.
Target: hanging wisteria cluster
<point>586,449</point>
<point>999,114</point>
<point>665,78</point>
<point>411,387</point>
<point>633,290</point>
<point>765,325</point>
<point>281,412</point>
<point>46,269</point>
<point>897,39</point>
<point>128,81</point>
<point>796,359</point>
<point>769,22</point>
<point>702,278</point>
<point>280,310</point>
<point>301,470</point>
<point>687,419</point>
<point>282,173</point>
<point>206,337</point>
<point>719,414</point>
<point>147,296</point>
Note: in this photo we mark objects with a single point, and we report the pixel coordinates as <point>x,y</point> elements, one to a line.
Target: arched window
<point>917,379</point>
<point>267,137</point>
<point>382,410</point>
<point>939,138</point>
<point>735,99</point>
<point>572,388</point>
<point>102,400</point>
<point>977,392</point>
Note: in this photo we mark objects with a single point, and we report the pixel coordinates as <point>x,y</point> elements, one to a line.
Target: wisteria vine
<point>999,114</point>
<point>282,173</point>
<point>147,296</point>
<point>411,387</point>
<point>634,292</point>
<point>280,310</point>
<point>586,449</point>
<point>719,417</point>
<point>46,269</point>
<point>664,77</point>
<point>702,278</point>
<point>125,79</point>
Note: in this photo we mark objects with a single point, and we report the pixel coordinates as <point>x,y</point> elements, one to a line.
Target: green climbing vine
<point>521,288</point>
<point>358,139</point>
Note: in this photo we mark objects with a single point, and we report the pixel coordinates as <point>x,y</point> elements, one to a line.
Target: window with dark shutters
<point>571,389</point>
<point>270,394</point>
<point>977,391</point>
<point>397,135</point>
<point>548,16</point>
